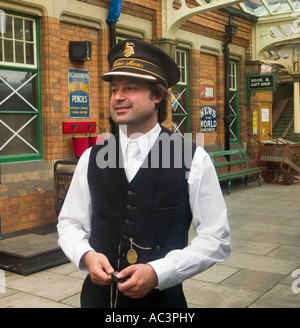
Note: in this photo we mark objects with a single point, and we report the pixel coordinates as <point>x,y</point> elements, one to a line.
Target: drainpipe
<point>1,237</point>
<point>112,18</point>
<point>230,31</point>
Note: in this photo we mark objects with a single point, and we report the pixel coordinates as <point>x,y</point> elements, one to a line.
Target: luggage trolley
<point>279,159</point>
<point>63,173</point>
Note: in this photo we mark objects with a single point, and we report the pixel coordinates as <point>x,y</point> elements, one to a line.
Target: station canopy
<point>262,8</point>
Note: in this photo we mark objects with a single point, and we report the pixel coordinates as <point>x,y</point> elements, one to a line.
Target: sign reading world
<point>208,118</point>
<point>79,93</point>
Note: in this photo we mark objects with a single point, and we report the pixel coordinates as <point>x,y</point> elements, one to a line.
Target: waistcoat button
<point>130,207</point>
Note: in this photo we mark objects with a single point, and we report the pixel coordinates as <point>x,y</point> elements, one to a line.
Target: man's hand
<point>142,280</point>
<point>99,267</point>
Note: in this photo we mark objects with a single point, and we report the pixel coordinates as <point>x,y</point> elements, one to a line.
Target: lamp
<point>231,29</point>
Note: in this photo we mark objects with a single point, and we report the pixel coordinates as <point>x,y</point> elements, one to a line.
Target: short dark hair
<point>159,90</point>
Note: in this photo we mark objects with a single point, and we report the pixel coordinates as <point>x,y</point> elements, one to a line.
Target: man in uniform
<point>126,217</point>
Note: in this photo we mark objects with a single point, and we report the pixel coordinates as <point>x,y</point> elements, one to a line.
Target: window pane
<point>28,30</point>
<point>13,142</point>
<point>18,24</point>
<point>1,55</point>
<point>182,79</point>
<point>179,101</point>
<point>1,22</point>
<point>182,59</point>
<point>177,57</point>
<point>24,99</point>
<point>8,51</point>
<point>19,52</point>
<point>8,27</point>
<point>29,53</point>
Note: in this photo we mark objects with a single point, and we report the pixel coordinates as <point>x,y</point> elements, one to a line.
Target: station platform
<point>262,271</point>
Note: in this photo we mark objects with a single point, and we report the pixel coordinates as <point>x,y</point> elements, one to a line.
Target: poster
<point>207,88</point>
<point>79,93</point>
<point>265,114</point>
<point>254,124</point>
<point>208,118</point>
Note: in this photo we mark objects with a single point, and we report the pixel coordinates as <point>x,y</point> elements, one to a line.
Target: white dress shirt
<point>211,244</point>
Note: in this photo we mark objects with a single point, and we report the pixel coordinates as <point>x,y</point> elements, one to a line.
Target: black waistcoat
<point>153,209</point>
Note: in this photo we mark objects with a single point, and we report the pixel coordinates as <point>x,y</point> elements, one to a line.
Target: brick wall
<point>212,25</point>
<point>31,205</point>
<point>55,37</point>
<point>26,205</point>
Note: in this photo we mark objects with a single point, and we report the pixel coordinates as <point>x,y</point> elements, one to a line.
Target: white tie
<point>133,160</point>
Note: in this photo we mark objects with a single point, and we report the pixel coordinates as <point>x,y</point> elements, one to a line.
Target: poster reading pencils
<point>79,92</point>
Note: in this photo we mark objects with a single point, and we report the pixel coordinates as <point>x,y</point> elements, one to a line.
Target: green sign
<point>261,82</point>
<point>255,82</point>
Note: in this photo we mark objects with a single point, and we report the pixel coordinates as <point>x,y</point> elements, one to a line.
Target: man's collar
<point>145,141</point>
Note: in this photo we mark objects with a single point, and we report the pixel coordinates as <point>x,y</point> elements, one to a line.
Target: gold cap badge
<point>128,51</point>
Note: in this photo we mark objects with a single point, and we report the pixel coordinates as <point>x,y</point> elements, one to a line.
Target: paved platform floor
<point>263,269</point>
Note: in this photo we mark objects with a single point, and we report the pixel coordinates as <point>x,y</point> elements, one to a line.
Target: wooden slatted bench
<point>234,159</point>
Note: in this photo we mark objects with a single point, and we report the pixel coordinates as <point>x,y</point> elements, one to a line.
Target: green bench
<point>233,160</point>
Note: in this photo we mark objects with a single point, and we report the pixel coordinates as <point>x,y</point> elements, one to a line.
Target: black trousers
<point>95,296</point>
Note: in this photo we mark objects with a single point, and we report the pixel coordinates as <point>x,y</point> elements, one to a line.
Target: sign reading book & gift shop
<point>258,82</point>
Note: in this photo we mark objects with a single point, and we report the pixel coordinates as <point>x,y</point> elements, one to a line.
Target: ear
<point>158,99</point>
<point>159,96</point>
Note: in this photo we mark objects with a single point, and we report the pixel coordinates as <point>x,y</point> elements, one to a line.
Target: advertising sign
<point>262,81</point>
<point>208,118</point>
<point>256,82</point>
<point>207,88</point>
<point>79,93</point>
<point>254,124</point>
<point>265,117</point>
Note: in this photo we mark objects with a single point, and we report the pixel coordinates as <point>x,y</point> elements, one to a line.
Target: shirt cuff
<point>79,252</point>
<point>166,273</point>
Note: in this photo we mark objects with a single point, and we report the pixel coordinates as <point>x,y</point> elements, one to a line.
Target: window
<point>232,76</point>
<point>233,103</point>
<point>20,112</point>
<point>17,41</point>
<point>180,95</point>
<point>181,62</point>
